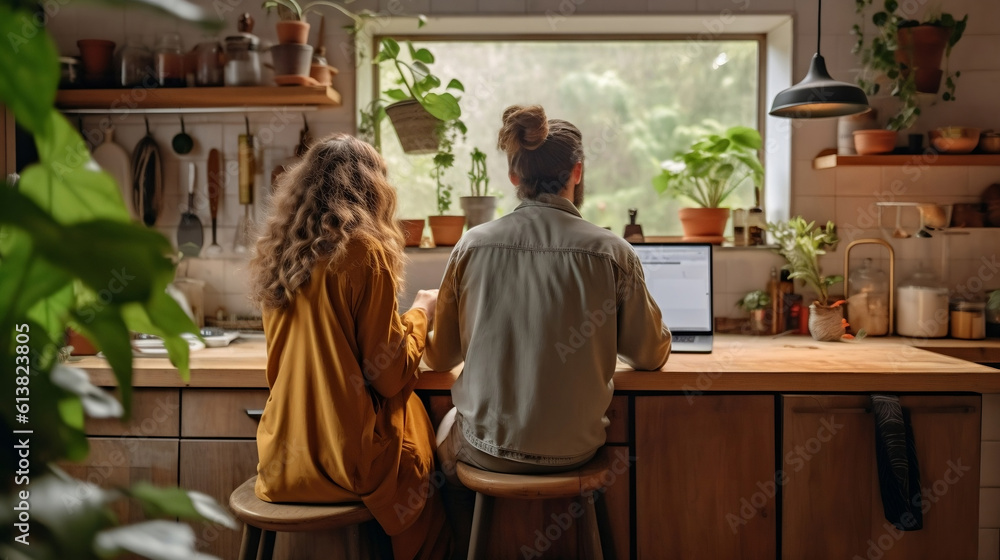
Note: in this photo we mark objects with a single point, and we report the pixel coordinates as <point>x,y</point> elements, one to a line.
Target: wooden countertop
<point>738,363</point>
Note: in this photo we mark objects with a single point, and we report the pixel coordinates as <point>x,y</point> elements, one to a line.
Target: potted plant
<point>479,207</point>
<point>445,229</point>
<point>707,173</point>
<point>293,27</point>
<point>908,54</point>
<point>756,303</point>
<point>418,105</point>
<point>801,243</point>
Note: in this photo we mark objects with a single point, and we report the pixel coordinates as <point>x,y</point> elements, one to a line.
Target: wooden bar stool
<point>580,484</point>
<point>263,520</point>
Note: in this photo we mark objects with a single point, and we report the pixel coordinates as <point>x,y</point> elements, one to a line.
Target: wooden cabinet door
<point>121,462</point>
<point>828,474</point>
<point>946,436</point>
<point>216,468</point>
<point>705,477</point>
<point>832,507</point>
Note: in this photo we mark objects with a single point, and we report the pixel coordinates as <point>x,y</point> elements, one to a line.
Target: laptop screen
<point>679,277</point>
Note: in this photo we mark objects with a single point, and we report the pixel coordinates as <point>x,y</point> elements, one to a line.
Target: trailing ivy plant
<point>801,243</point>
<point>878,56</point>
<point>447,132</point>
<point>70,255</point>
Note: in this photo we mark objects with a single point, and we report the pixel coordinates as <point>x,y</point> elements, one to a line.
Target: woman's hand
<point>426,300</point>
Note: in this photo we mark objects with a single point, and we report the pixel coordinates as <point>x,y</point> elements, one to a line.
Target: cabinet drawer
<point>221,412</point>
<point>121,462</point>
<point>155,413</point>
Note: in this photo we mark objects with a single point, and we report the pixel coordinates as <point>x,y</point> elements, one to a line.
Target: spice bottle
<point>755,221</point>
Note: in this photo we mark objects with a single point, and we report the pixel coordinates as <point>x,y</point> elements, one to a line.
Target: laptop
<point>679,278</point>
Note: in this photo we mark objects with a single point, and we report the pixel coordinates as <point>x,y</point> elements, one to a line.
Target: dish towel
<point>898,471</point>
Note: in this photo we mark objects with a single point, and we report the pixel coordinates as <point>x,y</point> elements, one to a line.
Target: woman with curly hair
<point>342,422</point>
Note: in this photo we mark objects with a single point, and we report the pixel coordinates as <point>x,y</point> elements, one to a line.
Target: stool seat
<point>288,518</point>
<point>584,485</point>
<point>538,486</point>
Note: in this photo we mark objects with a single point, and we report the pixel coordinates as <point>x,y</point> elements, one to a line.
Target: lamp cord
<point>819,22</point>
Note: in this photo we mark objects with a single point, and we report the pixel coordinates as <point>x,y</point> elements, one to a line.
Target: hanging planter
<point>920,49</point>
<point>415,127</point>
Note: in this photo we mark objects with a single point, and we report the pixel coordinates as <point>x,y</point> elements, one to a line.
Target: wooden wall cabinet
<point>704,472</point>
<point>831,505</point>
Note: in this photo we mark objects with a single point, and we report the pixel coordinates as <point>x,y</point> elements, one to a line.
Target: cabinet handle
<point>255,413</point>
<point>915,409</point>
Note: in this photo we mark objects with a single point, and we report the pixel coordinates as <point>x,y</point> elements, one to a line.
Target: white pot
<point>478,209</point>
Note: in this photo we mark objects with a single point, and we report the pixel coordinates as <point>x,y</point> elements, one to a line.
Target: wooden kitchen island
<point>762,449</point>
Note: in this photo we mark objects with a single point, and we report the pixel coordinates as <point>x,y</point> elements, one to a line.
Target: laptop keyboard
<point>682,338</point>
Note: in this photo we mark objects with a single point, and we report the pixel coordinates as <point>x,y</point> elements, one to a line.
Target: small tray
<point>236,324</point>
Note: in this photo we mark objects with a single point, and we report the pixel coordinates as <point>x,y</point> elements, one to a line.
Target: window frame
<point>773,32</point>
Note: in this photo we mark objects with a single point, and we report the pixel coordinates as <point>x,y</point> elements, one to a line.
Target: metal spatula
<point>190,234</point>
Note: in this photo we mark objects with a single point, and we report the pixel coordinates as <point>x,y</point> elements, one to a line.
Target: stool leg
<point>250,543</point>
<point>480,526</point>
<point>590,529</point>
<point>353,534</point>
<point>266,545</point>
<point>604,528</point>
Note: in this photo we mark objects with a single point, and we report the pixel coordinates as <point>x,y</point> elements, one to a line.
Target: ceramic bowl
<point>954,139</point>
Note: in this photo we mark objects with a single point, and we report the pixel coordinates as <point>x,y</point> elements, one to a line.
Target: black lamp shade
<point>818,96</point>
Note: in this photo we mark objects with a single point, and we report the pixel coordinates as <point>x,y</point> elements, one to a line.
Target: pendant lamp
<point>818,95</point>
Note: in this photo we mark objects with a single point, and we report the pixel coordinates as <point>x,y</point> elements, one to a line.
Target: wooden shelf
<point>828,159</point>
<point>181,99</point>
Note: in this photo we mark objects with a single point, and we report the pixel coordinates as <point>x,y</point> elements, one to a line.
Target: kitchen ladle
<point>182,142</point>
<point>899,232</point>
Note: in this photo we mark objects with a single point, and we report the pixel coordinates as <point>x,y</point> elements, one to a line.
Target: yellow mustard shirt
<point>326,435</point>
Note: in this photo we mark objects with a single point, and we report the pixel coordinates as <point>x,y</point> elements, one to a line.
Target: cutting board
<point>114,160</point>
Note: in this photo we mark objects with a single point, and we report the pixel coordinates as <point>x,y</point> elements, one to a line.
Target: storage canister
<point>922,306</point>
<point>968,319</point>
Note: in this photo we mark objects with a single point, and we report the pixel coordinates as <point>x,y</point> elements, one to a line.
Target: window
<point>639,87</point>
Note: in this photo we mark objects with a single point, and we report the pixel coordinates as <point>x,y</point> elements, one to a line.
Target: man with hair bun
<point>539,304</point>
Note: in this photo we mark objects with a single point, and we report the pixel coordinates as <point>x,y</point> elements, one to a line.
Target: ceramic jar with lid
<point>868,302</point>
<point>922,306</point>
<point>243,55</point>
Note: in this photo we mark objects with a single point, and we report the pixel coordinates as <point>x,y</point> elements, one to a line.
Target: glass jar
<point>169,59</point>
<point>242,60</point>
<point>243,55</point>
<point>968,319</point>
<point>868,302</point>
<point>209,59</point>
<point>922,306</point>
<point>134,63</point>
<point>739,227</point>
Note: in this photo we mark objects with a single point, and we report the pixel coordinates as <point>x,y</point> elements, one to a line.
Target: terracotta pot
<point>293,31</point>
<point>920,49</point>
<point>704,222</point>
<point>875,141</point>
<point>826,323</point>
<point>81,345</point>
<point>447,230</point>
<point>97,55</point>
<point>478,209</point>
<point>322,73</point>
<point>415,127</point>
<point>413,231</point>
